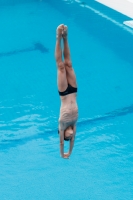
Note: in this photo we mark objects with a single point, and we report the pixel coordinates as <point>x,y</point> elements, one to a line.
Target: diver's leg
<point>61,71</point>
<point>71,78</point>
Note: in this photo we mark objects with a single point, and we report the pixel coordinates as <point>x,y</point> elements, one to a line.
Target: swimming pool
<point>100,166</point>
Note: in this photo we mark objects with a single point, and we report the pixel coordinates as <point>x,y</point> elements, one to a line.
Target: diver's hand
<point>66,155</point>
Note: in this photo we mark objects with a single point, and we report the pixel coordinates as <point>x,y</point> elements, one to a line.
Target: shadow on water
<point>111,115</point>
<point>45,134</point>
<point>37,47</point>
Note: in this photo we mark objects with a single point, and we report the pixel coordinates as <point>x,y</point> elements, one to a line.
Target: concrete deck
<point>123,6</point>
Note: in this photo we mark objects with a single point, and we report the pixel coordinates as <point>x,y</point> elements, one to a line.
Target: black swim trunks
<point>69,90</point>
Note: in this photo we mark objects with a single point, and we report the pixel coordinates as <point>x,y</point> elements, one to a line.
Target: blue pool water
<point>101,164</point>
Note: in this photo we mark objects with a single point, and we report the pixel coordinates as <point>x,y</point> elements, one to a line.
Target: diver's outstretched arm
<point>72,140</point>
<point>64,155</point>
<point>62,143</point>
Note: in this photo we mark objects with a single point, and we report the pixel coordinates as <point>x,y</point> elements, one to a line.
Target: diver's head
<point>68,133</point>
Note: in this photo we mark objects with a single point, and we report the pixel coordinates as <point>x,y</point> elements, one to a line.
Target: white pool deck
<point>123,6</point>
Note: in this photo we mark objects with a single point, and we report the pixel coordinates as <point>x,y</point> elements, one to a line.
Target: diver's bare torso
<point>68,111</point>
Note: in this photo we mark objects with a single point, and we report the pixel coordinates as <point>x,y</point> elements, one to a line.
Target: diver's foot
<point>65,32</point>
<point>59,31</point>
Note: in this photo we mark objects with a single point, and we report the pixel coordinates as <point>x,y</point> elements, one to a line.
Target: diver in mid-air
<point>67,88</point>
